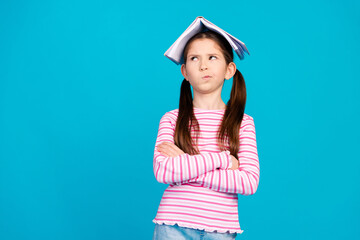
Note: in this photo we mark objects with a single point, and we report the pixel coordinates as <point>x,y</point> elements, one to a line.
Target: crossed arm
<point>171,150</point>
<point>216,171</point>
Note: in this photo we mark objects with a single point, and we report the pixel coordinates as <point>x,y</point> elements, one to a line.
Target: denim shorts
<point>168,232</point>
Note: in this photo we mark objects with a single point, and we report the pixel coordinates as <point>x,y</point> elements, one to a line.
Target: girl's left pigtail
<point>233,116</point>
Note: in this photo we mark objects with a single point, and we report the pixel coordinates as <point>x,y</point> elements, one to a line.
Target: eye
<point>192,58</point>
<point>213,56</point>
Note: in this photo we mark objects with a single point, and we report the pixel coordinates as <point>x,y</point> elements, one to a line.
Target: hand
<point>235,163</point>
<point>169,149</point>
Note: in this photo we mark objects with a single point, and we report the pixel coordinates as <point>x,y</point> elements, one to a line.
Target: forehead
<point>204,45</point>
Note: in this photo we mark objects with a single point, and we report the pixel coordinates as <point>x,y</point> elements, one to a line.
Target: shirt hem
<point>207,229</point>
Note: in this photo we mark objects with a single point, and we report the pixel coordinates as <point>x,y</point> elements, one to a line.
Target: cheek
<point>221,72</point>
<point>191,71</point>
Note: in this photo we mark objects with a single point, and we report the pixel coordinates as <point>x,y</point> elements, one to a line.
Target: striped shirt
<point>202,193</point>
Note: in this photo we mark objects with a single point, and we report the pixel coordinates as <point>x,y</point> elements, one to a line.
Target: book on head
<point>200,24</point>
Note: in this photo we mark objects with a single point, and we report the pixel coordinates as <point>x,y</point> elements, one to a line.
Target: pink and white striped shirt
<point>202,193</point>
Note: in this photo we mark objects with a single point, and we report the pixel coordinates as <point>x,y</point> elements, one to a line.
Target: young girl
<point>205,150</point>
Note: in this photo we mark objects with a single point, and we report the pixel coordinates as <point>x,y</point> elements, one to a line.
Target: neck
<point>209,103</point>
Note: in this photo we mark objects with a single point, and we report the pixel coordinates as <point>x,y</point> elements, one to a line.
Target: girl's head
<point>209,54</point>
<point>208,61</point>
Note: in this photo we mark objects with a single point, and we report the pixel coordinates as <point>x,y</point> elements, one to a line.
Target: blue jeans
<point>168,232</point>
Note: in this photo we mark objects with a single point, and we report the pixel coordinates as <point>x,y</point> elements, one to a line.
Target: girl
<point>205,150</point>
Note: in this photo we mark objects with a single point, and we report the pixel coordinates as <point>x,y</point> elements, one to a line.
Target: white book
<point>175,52</point>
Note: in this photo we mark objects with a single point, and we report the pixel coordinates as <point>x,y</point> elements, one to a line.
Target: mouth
<point>206,77</point>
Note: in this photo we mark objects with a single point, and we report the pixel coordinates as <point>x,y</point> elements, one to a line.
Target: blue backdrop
<point>83,85</point>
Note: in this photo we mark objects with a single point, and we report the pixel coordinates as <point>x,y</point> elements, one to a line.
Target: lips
<point>206,77</point>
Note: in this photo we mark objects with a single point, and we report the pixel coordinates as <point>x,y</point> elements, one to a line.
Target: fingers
<point>164,149</point>
<point>169,149</point>
<point>175,148</point>
<point>235,163</point>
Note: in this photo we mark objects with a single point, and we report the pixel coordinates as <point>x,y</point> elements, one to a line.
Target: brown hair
<point>230,125</point>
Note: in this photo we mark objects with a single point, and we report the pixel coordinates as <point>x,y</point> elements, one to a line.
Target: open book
<point>200,24</point>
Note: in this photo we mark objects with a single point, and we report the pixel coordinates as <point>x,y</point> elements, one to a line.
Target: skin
<point>204,59</point>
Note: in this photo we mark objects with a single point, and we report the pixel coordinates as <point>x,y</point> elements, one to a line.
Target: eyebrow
<point>190,54</point>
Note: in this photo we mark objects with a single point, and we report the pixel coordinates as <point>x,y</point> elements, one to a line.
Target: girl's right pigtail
<point>182,136</point>
<point>185,102</point>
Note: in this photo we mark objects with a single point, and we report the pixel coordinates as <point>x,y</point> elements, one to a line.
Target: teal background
<point>83,85</point>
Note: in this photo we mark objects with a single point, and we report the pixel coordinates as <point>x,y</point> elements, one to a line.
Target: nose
<point>203,66</point>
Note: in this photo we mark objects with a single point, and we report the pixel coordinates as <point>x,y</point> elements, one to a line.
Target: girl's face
<point>205,67</point>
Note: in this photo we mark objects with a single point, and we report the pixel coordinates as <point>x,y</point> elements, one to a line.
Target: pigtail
<point>183,137</point>
<point>230,125</point>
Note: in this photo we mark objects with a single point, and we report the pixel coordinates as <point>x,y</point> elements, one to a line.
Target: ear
<point>230,70</point>
<point>183,71</point>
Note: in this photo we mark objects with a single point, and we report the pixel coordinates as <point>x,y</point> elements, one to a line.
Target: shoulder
<point>247,122</point>
<point>170,117</point>
<point>171,114</point>
<point>247,117</point>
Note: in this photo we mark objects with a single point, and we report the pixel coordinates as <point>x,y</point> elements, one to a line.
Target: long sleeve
<point>245,179</point>
<point>185,167</point>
